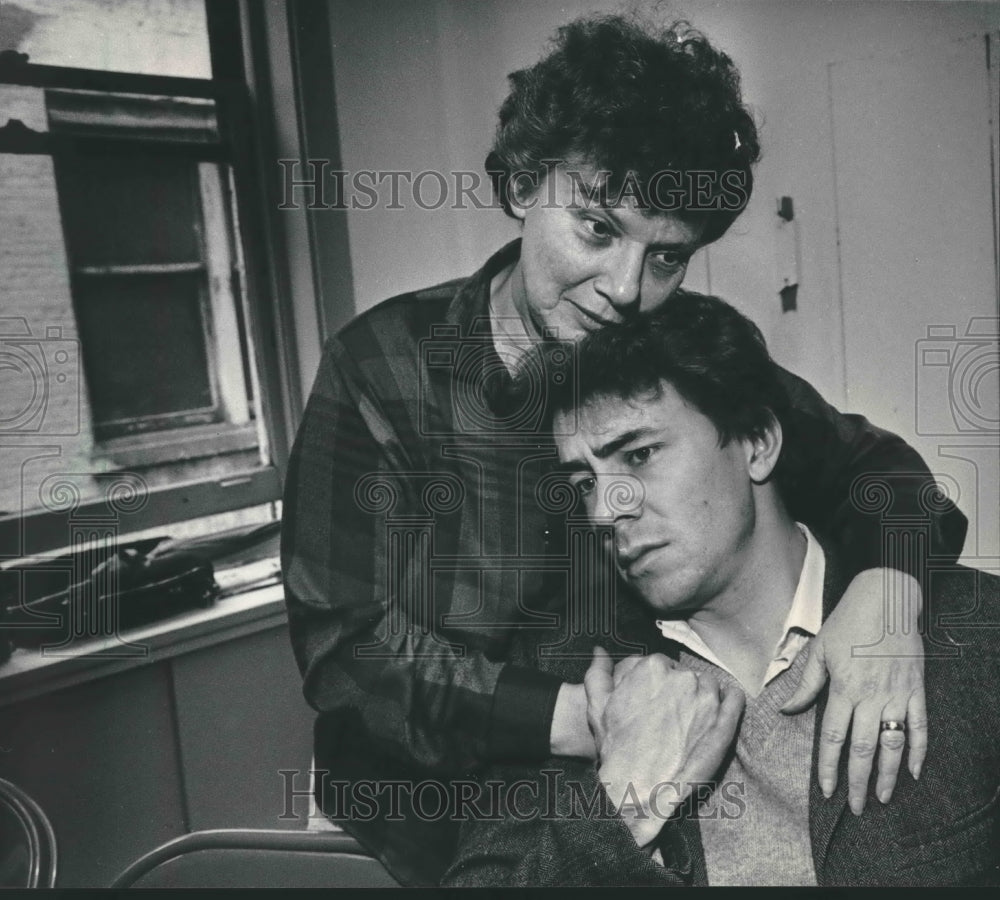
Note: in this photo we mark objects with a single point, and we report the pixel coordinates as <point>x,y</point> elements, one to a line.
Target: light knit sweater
<point>768,842</point>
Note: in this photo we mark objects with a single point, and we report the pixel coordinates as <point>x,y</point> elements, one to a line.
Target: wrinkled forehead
<point>588,185</point>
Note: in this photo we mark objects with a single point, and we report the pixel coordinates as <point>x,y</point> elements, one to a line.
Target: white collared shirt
<point>804,620</point>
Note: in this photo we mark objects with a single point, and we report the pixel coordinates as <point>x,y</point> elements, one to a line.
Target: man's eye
<point>585,486</point>
<point>639,456</point>
<point>597,227</point>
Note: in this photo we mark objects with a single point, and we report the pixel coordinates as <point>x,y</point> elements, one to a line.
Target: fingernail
<point>916,771</point>
<point>856,807</point>
<point>826,788</point>
<point>884,797</point>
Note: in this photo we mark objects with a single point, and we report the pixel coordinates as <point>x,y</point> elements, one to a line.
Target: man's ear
<point>763,451</point>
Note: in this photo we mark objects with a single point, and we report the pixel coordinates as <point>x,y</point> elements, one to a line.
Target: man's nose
<point>618,500</point>
<point>621,281</point>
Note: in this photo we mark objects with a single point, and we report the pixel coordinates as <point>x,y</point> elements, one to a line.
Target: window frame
<point>237,46</point>
<point>218,268</point>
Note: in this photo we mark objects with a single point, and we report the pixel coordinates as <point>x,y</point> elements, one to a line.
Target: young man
<point>673,434</point>
<point>414,546</point>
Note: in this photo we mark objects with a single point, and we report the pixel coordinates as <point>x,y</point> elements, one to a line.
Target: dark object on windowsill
<point>237,546</point>
<point>56,601</point>
<point>11,60</point>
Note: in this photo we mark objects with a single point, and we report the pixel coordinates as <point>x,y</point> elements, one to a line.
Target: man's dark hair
<point>615,94</point>
<point>711,354</point>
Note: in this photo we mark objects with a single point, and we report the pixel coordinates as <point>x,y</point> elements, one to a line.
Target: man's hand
<point>659,729</point>
<point>872,649</point>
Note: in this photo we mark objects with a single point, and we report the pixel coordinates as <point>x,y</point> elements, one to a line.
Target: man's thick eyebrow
<point>605,450</point>
<point>615,444</point>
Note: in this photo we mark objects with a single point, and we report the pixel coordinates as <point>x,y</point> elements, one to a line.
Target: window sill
<point>177,444</point>
<point>29,673</point>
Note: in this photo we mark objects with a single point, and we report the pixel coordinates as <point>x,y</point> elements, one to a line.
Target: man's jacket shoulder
<point>963,609</point>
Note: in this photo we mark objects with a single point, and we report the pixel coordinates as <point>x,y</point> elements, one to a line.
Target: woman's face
<point>585,265</point>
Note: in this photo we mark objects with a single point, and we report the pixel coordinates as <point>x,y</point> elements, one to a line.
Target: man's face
<point>584,265</point>
<point>682,506</point>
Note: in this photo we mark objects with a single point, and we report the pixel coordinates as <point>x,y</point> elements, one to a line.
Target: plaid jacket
<point>423,529</point>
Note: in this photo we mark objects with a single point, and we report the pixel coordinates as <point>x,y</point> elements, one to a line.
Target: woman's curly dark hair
<point>616,94</point>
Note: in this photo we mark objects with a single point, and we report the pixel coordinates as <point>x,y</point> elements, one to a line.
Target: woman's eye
<point>670,262</point>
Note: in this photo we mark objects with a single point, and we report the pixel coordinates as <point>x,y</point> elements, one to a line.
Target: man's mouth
<point>632,559</point>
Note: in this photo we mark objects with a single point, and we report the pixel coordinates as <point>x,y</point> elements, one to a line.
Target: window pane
<point>24,103</point>
<point>143,345</point>
<point>129,210</point>
<point>152,37</point>
<point>46,404</point>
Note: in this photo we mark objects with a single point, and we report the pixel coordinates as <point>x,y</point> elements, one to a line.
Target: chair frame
<point>241,839</point>
<point>41,837</point>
